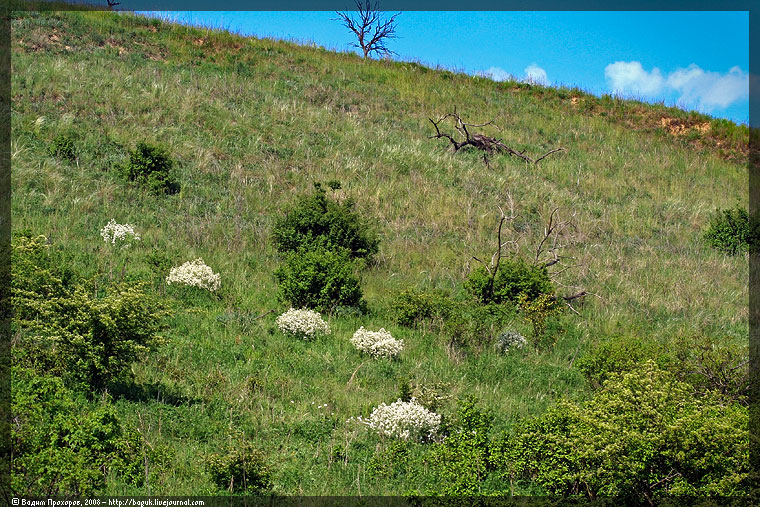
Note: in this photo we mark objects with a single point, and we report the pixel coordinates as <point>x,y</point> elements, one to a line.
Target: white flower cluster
<point>113,232</point>
<point>304,324</point>
<point>405,420</point>
<point>195,273</point>
<point>508,340</point>
<point>377,343</point>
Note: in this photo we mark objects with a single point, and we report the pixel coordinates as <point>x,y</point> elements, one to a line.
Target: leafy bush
<point>712,366</point>
<point>151,166</point>
<point>319,221</point>
<point>320,279</point>
<point>85,339</point>
<point>62,445</point>
<point>731,231</point>
<point>64,147</point>
<point>475,326</point>
<point>463,461</point>
<point>514,277</point>
<point>619,354</point>
<point>241,470</point>
<point>537,311</point>
<point>36,274</point>
<point>642,436</point>
<point>414,308</point>
<point>96,339</point>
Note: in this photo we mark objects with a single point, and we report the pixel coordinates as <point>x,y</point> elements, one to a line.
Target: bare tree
<point>112,3</point>
<point>371,30</point>
<point>557,235</point>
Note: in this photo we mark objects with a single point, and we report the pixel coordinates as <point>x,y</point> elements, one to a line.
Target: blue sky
<point>696,60</point>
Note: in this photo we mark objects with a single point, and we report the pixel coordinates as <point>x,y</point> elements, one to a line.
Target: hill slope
<point>252,124</point>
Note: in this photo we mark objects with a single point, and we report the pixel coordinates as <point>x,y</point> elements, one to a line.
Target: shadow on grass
<point>132,391</point>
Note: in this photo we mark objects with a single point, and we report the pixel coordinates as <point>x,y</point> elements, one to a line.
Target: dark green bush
<point>414,308</point>
<point>64,147</point>
<point>731,231</point>
<point>151,166</point>
<point>90,341</point>
<point>642,436</point>
<point>514,277</point>
<point>320,221</point>
<point>64,446</point>
<point>320,279</point>
<point>243,469</point>
<point>474,326</point>
<point>463,462</point>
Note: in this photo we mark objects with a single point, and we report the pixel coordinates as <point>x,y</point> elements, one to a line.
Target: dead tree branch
<point>487,144</point>
<point>371,30</point>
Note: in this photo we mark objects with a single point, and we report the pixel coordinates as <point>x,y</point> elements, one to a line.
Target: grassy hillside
<point>252,125</point>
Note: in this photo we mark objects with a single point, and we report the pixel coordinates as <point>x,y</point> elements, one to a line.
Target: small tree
<point>371,30</point>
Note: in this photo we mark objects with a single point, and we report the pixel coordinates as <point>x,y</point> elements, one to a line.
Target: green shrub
<point>64,147</point>
<point>613,356</point>
<point>90,341</point>
<point>36,274</point>
<point>462,462</point>
<point>711,365</point>
<point>64,446</point>
<point>616,355</point>
<point>319,221</point>
<point>414,308</point>
<point>536,311</point>
<point>514,277</point>
<point>476,326</point>
<point>642,436</point>
<point>95,340</point>
<point>151,166</point>
<point>731,231</point>
<point>243,469</point>
<point>319,279</point>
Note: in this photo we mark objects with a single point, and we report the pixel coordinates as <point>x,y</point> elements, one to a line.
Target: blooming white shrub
<point>377,343</point>
<point>114,232</point>
<point>508,340</point>
<point>195,273</point>
<point>304,324</point>
<point>403,419</point>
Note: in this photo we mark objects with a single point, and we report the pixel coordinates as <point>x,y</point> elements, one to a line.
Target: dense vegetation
<point>204,149</point>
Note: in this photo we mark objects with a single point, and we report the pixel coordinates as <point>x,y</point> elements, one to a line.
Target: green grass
<point>252,123</point>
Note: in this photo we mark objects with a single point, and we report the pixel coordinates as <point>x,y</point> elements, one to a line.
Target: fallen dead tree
<point>487,144</point>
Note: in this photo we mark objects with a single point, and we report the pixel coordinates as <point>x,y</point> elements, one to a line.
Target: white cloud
<point>696,87</point>
<point>536,75</point>
<point>631,78</point>
<point>709,90</point>
<point>496,73</point>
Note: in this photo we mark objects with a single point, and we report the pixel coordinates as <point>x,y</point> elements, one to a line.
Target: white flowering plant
<point>377,343</point>
<point>510,340</point>
<point>195,273</point>
<point>122,233</point>
<point>407,420</point>
<point>303,324</point>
